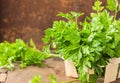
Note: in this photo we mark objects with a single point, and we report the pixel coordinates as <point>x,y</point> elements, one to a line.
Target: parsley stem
<point>115,15</point>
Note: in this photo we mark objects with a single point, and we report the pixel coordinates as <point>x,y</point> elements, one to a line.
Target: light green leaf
<point>97,6</point>
<point>52,79</point>
<point>32,43</point>
<point>36,79</point>
<point>112,5</point>
<point>85,49</point>
<point>96,43</point>
<point>79,55</point>
<point>99,48</point>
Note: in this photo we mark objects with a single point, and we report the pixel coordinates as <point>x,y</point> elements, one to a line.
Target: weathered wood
<point>2,77</point>
<point>115,61</point>
<point>111,70</point>
<point>119,74</point>
<point>70,69</point>
<point>111,73</point>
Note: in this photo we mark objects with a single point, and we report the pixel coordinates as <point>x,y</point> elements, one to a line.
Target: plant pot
<point>111,70</point>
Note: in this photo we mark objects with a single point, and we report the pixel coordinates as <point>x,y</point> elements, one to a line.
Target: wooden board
<point>70,69</point>
<point>119,74</point>
<point>111,70</point>
<point>111,73</point>
<point>115,61</point>
<point>2,77</point>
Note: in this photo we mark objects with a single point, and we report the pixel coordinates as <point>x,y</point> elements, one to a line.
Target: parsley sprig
<point>90,47</point>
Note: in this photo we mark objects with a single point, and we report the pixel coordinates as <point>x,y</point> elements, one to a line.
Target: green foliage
<point>71,15</point>
<point>112,5</point>
<point>52,79</point>
<point>20,52</point>
<point>93,78</point>
<point>97,6</point>
<point>89,47</point>
<point>36,79</point>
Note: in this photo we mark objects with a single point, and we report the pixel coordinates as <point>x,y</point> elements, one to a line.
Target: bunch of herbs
<point>20,52</point>
<point>92,46</point>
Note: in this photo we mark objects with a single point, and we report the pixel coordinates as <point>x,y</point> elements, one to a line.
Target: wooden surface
<point>3,75</point>
<point>70,69</point>
<point>119,74</point>
<point>115,61</point>
<point>53,66</point>
<point>111,73</point>
<point>111,70</point>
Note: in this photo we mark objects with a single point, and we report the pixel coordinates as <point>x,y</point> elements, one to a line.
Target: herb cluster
<point>38,79</point>
<point>92,46</point>
<point>52,79</point>
<point>20,52</point>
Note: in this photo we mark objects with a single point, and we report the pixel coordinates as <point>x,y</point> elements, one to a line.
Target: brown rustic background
<point>29,18</point>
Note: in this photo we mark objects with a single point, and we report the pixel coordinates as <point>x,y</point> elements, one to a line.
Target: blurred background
<point>27,19</point>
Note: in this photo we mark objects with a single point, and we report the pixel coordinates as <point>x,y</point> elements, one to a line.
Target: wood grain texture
<point>111,73</point>
<point>70,69</point>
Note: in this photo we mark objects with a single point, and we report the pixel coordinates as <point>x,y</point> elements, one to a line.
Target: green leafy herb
<point>71,16</point>
<point>97,6</point>
<point>112,5</point>
<point>36,79</point>
<point>90,47</point>
<point>19,51</point>
<point>52,79</point>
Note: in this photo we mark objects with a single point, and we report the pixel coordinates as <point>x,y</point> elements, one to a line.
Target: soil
<point>53,66</point>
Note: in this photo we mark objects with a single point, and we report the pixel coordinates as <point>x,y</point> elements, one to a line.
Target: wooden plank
<point>2,77</point>
<point>119,74</point>
<point>111,71</point>
<point>70,69</point>
<point>114,60</point>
